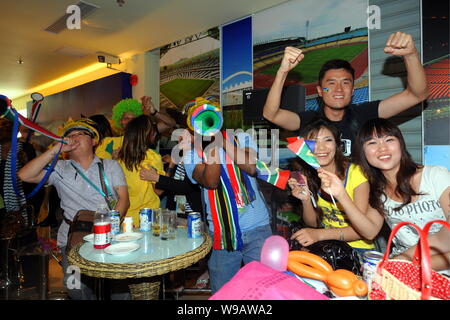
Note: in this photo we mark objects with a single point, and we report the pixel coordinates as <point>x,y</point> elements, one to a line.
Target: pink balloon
<point>274,253</point>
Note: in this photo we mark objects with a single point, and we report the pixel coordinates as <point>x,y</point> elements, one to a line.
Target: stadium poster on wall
<point>189,68</point>
<point>237,69</point>
<point>436,60</point>
<point>323,30</point>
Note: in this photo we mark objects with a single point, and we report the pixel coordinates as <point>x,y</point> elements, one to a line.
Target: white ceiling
<point>137,26</point>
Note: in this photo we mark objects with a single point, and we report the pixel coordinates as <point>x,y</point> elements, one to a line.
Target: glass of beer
<point>156,222</point>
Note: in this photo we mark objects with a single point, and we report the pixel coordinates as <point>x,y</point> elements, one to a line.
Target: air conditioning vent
<point>59,25</point>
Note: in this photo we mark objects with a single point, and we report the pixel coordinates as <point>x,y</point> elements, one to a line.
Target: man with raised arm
<point>336,87</point>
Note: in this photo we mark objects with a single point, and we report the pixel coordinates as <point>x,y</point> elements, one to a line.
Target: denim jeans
<point>223,264</point>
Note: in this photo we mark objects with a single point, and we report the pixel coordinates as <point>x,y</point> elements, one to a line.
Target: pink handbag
<point>256,281</point>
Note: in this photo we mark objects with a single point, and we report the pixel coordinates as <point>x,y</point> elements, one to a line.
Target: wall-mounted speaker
<point>292,99</point>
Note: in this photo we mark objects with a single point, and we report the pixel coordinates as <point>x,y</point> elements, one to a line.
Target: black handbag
<point>339,254</point>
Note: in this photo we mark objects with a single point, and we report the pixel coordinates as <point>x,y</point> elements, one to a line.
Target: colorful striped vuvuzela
<point>304,149</point>
<point>12,114</point>
<point>276,177</point>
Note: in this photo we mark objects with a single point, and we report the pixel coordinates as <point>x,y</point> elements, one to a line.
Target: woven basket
<point>404,280</point>
<point>145,290</point>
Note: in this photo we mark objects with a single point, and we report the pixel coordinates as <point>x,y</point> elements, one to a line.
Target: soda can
<point>115,221</point>
<point>194,225</point>
<point>145,219</point>
<point>370,263</point>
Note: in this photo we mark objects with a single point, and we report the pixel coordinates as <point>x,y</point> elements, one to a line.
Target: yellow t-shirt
<point>335,217</point>
<point>140,192</point>
<point>107,146</point>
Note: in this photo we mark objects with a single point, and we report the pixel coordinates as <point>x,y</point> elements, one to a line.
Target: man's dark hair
<point>102,125</point>
<point>335,64</point>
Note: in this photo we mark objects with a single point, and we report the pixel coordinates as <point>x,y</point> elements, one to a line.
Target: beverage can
<point>370,263</point>
<point>194,225</point>
<point>115,221</point>
<point>145,219</point>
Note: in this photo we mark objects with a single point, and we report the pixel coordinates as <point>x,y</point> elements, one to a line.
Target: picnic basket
<point>410,280</point>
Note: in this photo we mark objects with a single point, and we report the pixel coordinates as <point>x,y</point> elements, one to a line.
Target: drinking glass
<point>168,224</point>
<point>156,222</point>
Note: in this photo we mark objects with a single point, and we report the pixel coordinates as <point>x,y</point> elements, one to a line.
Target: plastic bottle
<point>102,228</point>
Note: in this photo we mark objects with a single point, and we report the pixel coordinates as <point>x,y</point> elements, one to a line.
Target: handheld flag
<point>303,149</point>
<point>276,177</point>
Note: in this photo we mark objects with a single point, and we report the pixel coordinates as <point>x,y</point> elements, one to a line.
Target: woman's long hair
<point>311,131</point>
<point>137,139</point>
<point>379,128</point>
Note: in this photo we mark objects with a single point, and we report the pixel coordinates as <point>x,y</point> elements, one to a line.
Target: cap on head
<point>83,124</point>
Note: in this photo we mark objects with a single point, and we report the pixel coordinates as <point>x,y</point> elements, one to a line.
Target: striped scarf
<point>11,200</point>
<point>234,192</point>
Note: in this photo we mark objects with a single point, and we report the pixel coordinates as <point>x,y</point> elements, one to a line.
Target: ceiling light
<point>20,61</point>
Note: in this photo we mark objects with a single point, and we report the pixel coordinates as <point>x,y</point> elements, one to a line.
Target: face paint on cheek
<point>325,89</point>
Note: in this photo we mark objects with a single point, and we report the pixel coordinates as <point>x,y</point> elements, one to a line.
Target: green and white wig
<point>126,105</point>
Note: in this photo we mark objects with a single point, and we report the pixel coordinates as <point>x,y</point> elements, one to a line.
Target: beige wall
<point>144,65</point>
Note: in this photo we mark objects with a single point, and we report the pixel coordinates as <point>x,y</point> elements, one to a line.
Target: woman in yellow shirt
<point>326,217</point>
<point>135,154</point>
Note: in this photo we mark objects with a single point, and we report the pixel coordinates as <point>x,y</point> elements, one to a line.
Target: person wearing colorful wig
<point>237,214</point>
<point>401,190</point>
<point>326,219</point>
<point>125,111</point>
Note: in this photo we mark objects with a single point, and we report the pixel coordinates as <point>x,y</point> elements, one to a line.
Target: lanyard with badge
<point>109,198</point>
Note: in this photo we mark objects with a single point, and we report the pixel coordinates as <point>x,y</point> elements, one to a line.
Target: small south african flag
<point>304,149</point>
<point>276,177</point>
